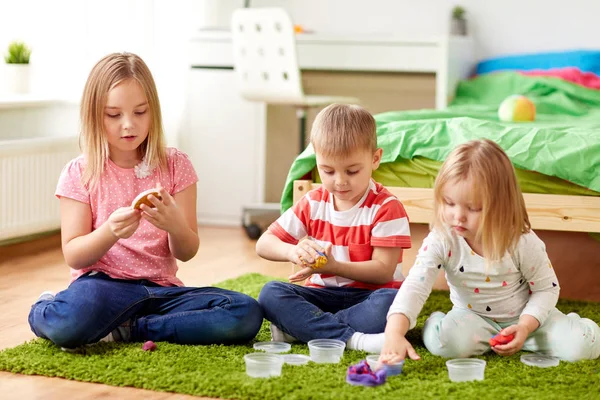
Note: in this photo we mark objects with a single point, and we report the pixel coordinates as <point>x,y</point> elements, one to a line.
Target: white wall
<point>69,36</point>
<point>498,26</point>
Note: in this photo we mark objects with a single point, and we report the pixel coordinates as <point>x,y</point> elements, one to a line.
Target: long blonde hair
<point>105,75</point>
<point>503,214</point>
<point>341,129</point>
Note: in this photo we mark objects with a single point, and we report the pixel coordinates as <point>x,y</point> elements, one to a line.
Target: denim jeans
<point>308,313</point>
<point>95,304</point>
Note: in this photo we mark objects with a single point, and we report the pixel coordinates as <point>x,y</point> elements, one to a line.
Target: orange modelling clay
<point>319,262</point>
<point>298,29</point>
<point>142,198</point>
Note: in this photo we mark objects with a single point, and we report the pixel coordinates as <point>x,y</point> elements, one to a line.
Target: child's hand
<point>123,222</point>
<point>165,214</point>
<point>521,332</point>
<point>395,349</point>
<point>305,253</point>
<point>301,275</point>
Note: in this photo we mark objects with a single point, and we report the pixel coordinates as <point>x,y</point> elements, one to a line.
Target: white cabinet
<point>225,141</point>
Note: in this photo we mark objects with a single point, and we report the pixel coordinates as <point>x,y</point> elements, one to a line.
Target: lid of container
<point>539,360</point>
<point>296,359</point>
<point>273,347</point>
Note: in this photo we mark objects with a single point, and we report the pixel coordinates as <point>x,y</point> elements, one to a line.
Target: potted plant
<point>17,67</point>
<point>458,24</point>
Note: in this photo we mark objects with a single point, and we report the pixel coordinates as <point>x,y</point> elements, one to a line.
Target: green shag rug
<point>219,371</point>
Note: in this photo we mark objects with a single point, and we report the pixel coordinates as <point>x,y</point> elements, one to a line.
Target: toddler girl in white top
<point>498,271</point>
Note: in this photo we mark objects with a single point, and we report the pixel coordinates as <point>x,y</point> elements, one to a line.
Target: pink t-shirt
<point>146,254</point>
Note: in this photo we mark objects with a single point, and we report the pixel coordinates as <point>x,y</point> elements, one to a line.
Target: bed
<point>557,158</point>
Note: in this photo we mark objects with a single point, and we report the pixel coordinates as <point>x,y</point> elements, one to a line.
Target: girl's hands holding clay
<point>164,214</point>
<point>123,222</point>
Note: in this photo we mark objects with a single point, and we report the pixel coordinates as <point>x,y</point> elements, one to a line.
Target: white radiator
<point>29,171</point>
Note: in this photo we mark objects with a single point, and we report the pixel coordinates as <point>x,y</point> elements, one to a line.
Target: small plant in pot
<point>17,67</point>
<point>458,24</point>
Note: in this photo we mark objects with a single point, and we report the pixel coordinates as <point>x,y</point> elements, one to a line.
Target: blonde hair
<point>503,214</point>
<point>341,129</point>
<point>109,72</point>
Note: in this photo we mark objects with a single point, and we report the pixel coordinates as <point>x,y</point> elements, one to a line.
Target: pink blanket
<point>571,74</point>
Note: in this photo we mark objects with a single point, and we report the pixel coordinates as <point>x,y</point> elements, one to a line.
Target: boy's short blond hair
<point>341,129</point>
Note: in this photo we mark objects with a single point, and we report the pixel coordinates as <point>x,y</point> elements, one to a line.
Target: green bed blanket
<point>563,144</point>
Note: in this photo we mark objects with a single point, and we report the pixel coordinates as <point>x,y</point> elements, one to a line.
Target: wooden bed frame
<point>546,211</point>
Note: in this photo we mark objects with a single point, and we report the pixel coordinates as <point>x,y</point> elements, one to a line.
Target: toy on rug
<point>501,339</point>
<point>149,346</point>
<point>516,108</point>
<point>361,374</point>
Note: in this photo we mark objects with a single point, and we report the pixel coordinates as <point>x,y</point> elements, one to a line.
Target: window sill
<point>14,101</point>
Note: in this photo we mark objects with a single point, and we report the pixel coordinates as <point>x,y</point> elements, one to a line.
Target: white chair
<point>266,66</point>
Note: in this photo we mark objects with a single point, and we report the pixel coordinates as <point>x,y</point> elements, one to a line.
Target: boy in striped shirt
<point>356,223</point>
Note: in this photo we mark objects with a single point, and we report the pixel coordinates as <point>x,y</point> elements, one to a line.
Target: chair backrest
<point>264,55</point>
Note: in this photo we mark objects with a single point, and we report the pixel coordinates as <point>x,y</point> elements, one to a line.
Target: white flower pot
<point>458,27</point>
<point>17,78</point>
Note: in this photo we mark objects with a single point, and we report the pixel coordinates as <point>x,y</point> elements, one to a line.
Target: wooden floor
<point>224,253</point>
<point>27,270</point>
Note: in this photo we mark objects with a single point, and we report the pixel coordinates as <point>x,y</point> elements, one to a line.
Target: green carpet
<point>219,371</point>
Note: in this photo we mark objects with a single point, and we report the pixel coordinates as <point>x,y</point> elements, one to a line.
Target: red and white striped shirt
<point>377,220</point>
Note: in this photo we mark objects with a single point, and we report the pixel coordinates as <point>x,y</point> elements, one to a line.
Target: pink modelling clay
<point>149,346</point>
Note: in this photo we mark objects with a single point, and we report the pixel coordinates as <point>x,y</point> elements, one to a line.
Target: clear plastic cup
<point>465,369</point>
<point>263,365</point>
<point>326,350</point>
<point>390,369</point>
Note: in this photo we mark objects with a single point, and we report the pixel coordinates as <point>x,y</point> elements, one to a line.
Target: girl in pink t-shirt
<point>123,259</point>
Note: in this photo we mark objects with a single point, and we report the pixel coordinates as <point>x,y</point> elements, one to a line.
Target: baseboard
<point>28,245</point>
<point>227,221</point>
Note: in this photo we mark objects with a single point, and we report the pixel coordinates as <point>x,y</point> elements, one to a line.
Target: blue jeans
<point>94,305</point>
<point>325,313</point>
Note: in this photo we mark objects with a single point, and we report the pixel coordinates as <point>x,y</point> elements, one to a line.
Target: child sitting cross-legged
<point>357,224</point>
<point>123,259</point>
